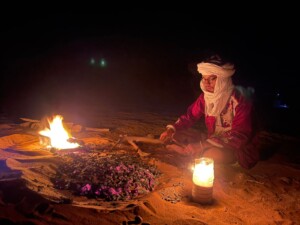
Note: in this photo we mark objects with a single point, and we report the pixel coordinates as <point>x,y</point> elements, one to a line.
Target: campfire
<point>98,172</point>
<point>57,136</point>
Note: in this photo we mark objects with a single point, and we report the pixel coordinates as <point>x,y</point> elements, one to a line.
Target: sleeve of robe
<point>194,112</point>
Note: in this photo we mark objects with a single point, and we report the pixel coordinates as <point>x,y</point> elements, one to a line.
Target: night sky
<point>75,62</point>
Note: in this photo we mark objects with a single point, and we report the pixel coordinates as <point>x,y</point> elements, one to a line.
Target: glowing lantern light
<point>203,179</point>
<point>58,135</point>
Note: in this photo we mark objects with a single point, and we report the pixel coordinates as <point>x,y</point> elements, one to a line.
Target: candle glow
<point>204,172</point>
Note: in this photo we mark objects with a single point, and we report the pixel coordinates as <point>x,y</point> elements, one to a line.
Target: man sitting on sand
<point>227,111</point>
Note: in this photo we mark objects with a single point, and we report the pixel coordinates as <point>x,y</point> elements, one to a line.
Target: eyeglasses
<point>209,79</point>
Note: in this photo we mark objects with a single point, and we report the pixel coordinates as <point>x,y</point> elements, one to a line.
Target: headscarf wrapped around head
<point>216,101</point>
<point>226,70</point>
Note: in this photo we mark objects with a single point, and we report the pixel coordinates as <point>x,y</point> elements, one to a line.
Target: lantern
<point>203,179</point>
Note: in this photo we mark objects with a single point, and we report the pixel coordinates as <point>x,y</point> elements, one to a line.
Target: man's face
<point>209,82</point>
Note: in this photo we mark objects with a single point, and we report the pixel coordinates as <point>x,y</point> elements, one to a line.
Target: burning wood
<point>37,124</point>
<point>59,137</point>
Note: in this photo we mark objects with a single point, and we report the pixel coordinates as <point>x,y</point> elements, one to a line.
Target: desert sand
<point>266,194</point>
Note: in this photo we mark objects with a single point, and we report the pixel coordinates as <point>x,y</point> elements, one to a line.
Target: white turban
<point>216,101</point>
<point>226,70</point>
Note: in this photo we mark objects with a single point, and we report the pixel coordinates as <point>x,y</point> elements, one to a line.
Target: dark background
<point>150,61</point>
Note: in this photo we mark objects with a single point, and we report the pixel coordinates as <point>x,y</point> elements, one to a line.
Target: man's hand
<point>167,136</point>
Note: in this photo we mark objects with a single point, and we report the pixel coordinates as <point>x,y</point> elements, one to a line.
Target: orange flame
<point>58,135</point>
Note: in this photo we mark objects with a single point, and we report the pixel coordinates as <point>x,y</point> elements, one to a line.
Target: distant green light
<point>102,62</point>
<point>92,61</point>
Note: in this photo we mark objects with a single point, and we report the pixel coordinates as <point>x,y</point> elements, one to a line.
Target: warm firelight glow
<point>58,135</point>
<point>204,172</point>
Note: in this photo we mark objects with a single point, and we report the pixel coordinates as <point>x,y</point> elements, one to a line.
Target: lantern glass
<point>204,172</point>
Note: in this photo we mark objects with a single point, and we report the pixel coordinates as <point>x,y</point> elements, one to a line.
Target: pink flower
<point>114,191</point>
<point>86,188</point>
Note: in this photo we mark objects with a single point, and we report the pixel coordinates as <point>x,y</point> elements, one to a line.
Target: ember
<point>113,177</point>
